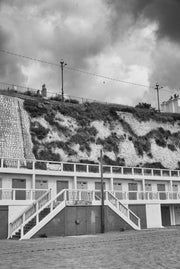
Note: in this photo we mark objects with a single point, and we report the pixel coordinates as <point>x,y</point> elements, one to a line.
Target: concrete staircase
<point>45,209</point>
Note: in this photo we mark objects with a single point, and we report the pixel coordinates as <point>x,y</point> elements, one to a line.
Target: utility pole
<point>102,192</point>
<point>62,78</point>
<point>157,88</point>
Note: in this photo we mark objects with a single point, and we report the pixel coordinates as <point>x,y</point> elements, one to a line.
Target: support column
<point>143,185</point>
<point>33,181</point>
<point>111,184</point>
<point>170,185</point>
<point>75,182</point>
<point>143,189</point>
<point>172,215</point>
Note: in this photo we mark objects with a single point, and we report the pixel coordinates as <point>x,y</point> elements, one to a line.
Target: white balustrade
<point>20,194</point>
<point>69,167</point>
<point>146,195</point>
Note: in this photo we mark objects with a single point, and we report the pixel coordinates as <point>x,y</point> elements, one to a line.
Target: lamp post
<point>102,192</point>
<point>62,78</point>
<point>157,89</point>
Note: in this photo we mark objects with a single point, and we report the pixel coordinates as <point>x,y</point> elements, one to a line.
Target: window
<point>41,184</point>
<point>82,185</point>
<point>174,187</point>
<point>117,186</point>
<point>148,187</point>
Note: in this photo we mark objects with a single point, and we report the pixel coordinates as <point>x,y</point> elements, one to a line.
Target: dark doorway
<point>19,184</point>
<point>161,190</point>
<point>165,215</point>
<point>98,190</point>
<point>132,191</point>
<point>61,185</point>
<point>3,222</point>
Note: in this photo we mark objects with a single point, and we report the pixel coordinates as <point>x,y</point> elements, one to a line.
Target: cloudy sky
<point>136,41</point>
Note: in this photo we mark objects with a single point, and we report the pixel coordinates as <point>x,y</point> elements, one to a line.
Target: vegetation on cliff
<point>128,136</point>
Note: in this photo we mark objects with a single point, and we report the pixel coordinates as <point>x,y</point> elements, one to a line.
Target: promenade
<point>155,249</point>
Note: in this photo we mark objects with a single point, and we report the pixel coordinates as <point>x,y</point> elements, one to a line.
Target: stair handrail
<point>49,203</point>
<point>28,212</point>
<point>52,203</point>
<point>124,209</point>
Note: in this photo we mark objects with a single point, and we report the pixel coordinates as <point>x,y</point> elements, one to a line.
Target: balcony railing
<point>86,195</point>
<point>94,169</point>
<point>21,194</point>
<point>147,195</point>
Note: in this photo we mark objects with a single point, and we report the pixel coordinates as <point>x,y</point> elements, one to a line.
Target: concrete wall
<point>15,211</point>
<point>10,129</point>
<point>7,180</point>
<point>177,214</point>
<point>153,214</point>
<point>15,138</point>
<point>77,220</point>
<point>140,211</point>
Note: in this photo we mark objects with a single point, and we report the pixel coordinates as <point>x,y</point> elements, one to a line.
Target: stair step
<point>15,237</point>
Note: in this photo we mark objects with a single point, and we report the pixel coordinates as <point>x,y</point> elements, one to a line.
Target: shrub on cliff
<point>38,130</point>
<point>35,108</point>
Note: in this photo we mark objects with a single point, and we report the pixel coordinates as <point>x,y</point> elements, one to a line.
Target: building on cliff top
<point>172,105</point>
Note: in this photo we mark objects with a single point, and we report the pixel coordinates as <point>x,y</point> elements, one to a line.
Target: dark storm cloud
<point>9,67</point>
<point>52,30</point>
<point>165,12</point>
<point>81,32</point>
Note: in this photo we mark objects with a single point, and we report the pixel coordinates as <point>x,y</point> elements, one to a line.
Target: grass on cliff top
<point>87,112</point>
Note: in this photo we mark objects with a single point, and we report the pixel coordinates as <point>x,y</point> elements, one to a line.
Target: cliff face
<point>72,132</point>
<point>128,136</point>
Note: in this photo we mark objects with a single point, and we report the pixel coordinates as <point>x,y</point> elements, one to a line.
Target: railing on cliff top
<point>13,88</point>
<point>68,167</point>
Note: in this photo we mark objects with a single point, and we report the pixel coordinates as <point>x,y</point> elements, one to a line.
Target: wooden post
<point>102,193</point>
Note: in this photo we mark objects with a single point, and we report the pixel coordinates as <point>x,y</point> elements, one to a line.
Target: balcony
<point>65,168</point>
<point>20,194</point>
<point>144,196</point>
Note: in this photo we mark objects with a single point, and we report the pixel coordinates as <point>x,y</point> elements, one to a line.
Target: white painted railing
<point>29,212</point>
<point>87,195</point>
<point>69,197</point>
<point>123,209</point>
<point>21,194</point>
<point>81,168</point>
<point>147,195</point>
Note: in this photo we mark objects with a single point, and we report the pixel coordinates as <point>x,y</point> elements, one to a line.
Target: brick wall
<point>25,127</point>
<point>11,132</point>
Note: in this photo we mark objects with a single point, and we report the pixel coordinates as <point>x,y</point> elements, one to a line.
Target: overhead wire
<point>75,69</point>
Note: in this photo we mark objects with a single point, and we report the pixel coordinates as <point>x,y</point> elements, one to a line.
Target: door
<point>82,185</point>
<point>161,190</point>
<point>83,195</point>
<point>165,215</point>
<point>41,186</point>
<point>175,191</point>
<point>132,191</point>
<point>61,185</point>
<point>98,189</point>
<point>148,191</point>
<point>19,184</point>
<point>117,186</point>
